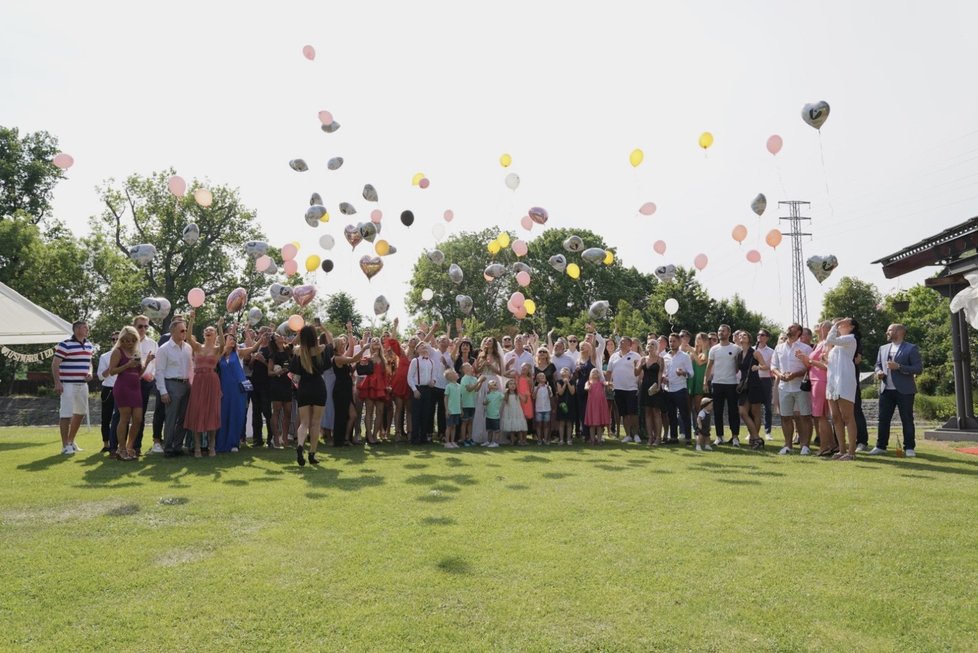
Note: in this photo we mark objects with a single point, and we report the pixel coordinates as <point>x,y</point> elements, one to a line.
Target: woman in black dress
<point>309,363</point>
<point>650,394</point>
<point>750,391</point>
<point>280,388</point>
<point>343,363</point>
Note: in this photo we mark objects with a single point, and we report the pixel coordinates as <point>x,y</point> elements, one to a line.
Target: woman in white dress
<point>841,386</point>
<point>488,364</point>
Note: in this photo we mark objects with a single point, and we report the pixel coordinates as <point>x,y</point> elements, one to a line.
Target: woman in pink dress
<point>818,367</point>
<point>204,405</point>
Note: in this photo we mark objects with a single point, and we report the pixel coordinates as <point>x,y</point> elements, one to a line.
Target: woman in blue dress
<point>234,398</point>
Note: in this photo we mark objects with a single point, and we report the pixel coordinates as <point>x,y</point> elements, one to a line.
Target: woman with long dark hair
<point>309,363</point>
<point>280,388</point>
<point>343,362</point>
<point>841,386</point>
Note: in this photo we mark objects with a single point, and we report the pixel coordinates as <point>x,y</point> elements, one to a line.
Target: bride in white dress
<point>841,386</point>
<point>489,364</point>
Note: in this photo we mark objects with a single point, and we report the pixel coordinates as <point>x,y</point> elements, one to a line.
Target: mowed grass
<point>612,548</point>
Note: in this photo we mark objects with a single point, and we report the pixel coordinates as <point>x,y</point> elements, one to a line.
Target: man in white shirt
<point>561,357</point>
<point>514,360</point>
<point>441,360</point>
<point>789,370</point>
<point>174,360</point>
<point>720,381</point>
<point>767,383</point>
<point>146,346</point>
<point>678,367</point>
<point>108,400</point>
<point>622,371</point>
<point>572,351</point>
<point>421,380</point>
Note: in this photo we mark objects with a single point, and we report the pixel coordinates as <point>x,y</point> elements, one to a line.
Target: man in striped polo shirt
<point>72,370</point>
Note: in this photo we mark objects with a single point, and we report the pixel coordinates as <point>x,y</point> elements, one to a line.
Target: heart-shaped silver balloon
<point>464,303</point>
<point>155,308</point>
<point>331,127</point>
<point>315,199</point>
<point>759,204</point>
<point>335,163</point>
<point>347,209</point>
<point>815,114</point>
<point>371,265</point>
<point>495,270</point>
<point>298,165</point>
<point>574,244</point>
<point>520,266</point>
<point>368,230</point>
<point>256,248</point>
<point>314,215</point>
<point>142,254</point>
<point>822,266</point>
<point>279,293</point>
<point>191,234</point>
<point>455,273</point>
<point>665,273</point>
<point>558,262</point>
<point>303,294</point>
<point>436,256</point>
<point>539,215</point>
<point>593,255</point>
<point>352,234</point>
<point>370,193</point>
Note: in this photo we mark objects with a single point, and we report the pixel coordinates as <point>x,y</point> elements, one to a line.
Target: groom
<point>897,363</point>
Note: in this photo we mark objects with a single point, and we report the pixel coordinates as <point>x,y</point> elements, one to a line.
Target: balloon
<point>424,183</point>
<point>371,265</point>
<point>407,218</point>
<point>142,254</point>
<point>512,181</point>
<point>822,266</point>
<point>326,117</point>
<point>203,197</point>
<point>706,140</point>
<point>774,144</point>
<point>519,266</point>
<point>700,261</point>
<point>573,271</point>
<point>558,262</point>
<point>191,234</point>
<point>326,241</point>
<point>376,216</point>
<point>538,215</point>
<point>296,322</point>
<point>520,313</point>
<point>335,163</point>
<point>773,238</point>
<point>315,213</point>
<point>298,165</point>
<point>759,204</point>
<point>303,295</point>
<point>284,330</point>
<point>449,215</point>
<point>609,257</point>
<point>739,233</point>
<point>416,179</point>
<point>368,230</point>
<point>671,306</point>
<point>455,273</point>
<point>331,127</point>
<point>486,277</point>
<point>526,222</point>
<point>382,247</point>
<point>155,308</point>
<point>530,307</point>
<point>659,247</point>
<point>503,239</point>
<point>290,267</point>
<point>593,255</point>
<point>516,299</point>
<point>464,303</point>
<point>271,269</point>
<point>63,161</point>
<point>279,293</point>
<point>370,193</point>
<point>262,262</point>
<point>523,279</point>
<point>381,305</point>
<point>177,186</point>
<point>352,234</point>
<point>196,297</point>
<point>347,209</point>
<point>256,248</point>
<point>493,247</point>
<point>427,294</point>
<point>636,157</point>
<point>754,256</point>
<point>816,114</point>
<point>520,247</point>
<point>573,244</point>
<point>436,256</point>
<point>665,273</point>
<point>494,271</point>
<point>438,231</point>
<point>289,251</point>
<point>647,209</point>
<point>327,266</point>
<point>598,310</point>
<point>505,160</point>
<point>236,300</point>
<point>309,52</point>
<point>254,316</point>
<point>312,263</point>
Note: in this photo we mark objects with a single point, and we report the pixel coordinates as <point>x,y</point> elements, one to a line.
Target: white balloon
<point>438,231</point>
<point>254,316</point>
<point>191,234</point>
<point>326,241</point>
<point>427,294</point>
<point>512,181</point>
<point>671,306</point>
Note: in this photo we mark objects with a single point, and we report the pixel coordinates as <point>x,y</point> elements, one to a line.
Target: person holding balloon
<point>204,405</point>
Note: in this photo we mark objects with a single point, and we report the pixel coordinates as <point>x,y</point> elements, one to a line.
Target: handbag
<point>654,389</point>
<point>365,369</point>
<point>806,383</point>
<point>246,386</point>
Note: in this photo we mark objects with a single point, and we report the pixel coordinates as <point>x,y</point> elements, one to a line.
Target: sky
<point>220,91</point>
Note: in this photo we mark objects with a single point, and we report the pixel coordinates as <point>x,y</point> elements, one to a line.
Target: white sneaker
<point>67,450</point>
<point>493,445</point>
<point>877,452</point>
<point>784,451</point>
<point>234,450</point>
<point>708,448</point>
<point>768,436</point>
<point>447,445</point>
<point>910,453</point>
<point>860,447</point>
<point>805,451</point>
<point>718,441</point>
<point>484,444</point>
<point>75,448</point>
<point>699,448</point>
<point>637,440</point>
<point>157,448</point>
<point>735,442</point>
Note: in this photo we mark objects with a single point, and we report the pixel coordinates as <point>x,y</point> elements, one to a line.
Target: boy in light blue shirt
<point>453,407</point>
<point>494,403</point>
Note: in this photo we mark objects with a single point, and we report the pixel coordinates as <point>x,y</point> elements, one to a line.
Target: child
<point>524,385</point>
<point>596,414</point>
<point>453,407</point>
<point>513,421</point>
<point>542,394</point>
<point>493,403</point>
<point>470,388</point>
<point>703,425</point>
<point>566,404</point>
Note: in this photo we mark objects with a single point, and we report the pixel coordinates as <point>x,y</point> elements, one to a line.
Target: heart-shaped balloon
<point>371,265</point>
<point>455,273</point>
<point>347,209</point>
<point>665,273</point>
<point>593,255</point>
<point>315,199</point>
<point>822,266</point>
<point>331,127</point>
<point>436,256</point>
<point>256,248</point>
<point>254,316</point>
<point>815,114</point>
<point>495,270</point>
<point>759,204</point>
<point>155,308</point>
<point>314,214</point>
<point>142,254</point>
<point>464,303</point>
<point>352,234</point>
<point>335,163</point>
<point>298,165</point>
<point>368,230</point>
<point>558,262</point>
<point>539,215</point>
<point>191,234</point>
<point>303,294</point>
<point>598,310</point>
<point>381,305</point>
<point>519,266</point>
<point>237,298</point>
<point>279,293</point>
<point>574,244</point>
<point>370,193</point>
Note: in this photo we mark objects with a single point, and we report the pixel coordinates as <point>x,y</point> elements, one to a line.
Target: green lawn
<point>616,548</point>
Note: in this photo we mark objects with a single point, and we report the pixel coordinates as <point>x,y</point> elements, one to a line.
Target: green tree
<point>860,300</point>
<point>341,308</point>
<point>928,322</point>
<point>697,310</point>
<point>27,176</point>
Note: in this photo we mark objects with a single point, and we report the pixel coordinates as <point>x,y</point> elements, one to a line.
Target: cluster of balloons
<point>520,306</point>
<point>420,180</point>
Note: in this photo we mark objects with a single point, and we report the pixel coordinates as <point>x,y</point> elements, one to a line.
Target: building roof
<point>954,243</point>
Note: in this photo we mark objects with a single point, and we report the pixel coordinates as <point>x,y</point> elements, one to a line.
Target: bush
<point>927,383</point>
<point>936,407</point>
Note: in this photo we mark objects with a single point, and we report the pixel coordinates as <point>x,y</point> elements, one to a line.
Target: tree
<point>341,308</point>
<point>27,176</point>
<point>928,322</point>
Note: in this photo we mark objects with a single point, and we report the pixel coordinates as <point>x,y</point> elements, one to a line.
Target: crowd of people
<point>314,386</point>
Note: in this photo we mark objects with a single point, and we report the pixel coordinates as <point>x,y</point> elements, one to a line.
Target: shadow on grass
<point>923,462</point>
<point>738,481</point>
<point>517,486</point>
<point>123,510</point>
<point>438,521</point>
<point>454,565</point>
<point>441,479</point>
<point>42,464</point>
<point>12,446</point>
<point>556,475</point>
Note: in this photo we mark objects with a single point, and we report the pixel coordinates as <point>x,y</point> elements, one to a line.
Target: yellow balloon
<point>382,247</point>
<point>573,271</point>
<point>416,179</point>
<point>324,217</point>
<point>503,240</point>
<point>530,306</point>
<point>505,160</point>
<point>494,247</point>
<point>609,258</point>
<point>636,157</point>
<point>706,140</point>
<point>312,263</point>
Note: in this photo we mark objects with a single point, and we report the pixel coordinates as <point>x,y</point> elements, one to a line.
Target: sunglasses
<point>572,340</point>
<point>142,326</point>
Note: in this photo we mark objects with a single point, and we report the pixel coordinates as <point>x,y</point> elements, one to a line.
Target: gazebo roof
<point>952,244</point>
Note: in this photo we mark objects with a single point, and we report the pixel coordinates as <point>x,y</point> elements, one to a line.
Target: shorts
<point>627,402</point>
<point>74,400</point>
<point>453,420</point>
<point>792,401</point>
<point>543,417</point>
<point>468,413</point>
<point>492,423</point>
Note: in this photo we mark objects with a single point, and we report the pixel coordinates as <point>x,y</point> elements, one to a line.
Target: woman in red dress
<point>373,391</point>
<point>204,405</point>
<point>399,385</point>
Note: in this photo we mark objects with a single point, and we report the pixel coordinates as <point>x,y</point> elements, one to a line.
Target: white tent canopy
<point>22,322</point>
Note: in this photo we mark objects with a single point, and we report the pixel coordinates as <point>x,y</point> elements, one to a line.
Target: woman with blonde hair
<point>840,383</point>
<point>373,390</point>
<point>126,365</point>
<point>699,356</point>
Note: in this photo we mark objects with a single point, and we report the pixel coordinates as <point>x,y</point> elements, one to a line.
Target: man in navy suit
<point>897,364</point>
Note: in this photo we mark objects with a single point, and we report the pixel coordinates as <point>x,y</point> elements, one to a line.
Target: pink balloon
<point>520,313</point>
<point>523,278</point>
<point>196,297</point>
<point>754,256</point>
<point>288,252</point>
<point>526,222</point>
<point>263,262</point>
<point>774,144</point>
<point>449,215</point>
<point>296,322</point>
<point>177,186</point>
<point>326,117</point>
<point>376,216</point>
<point>302,295</point>
<point>291,267</point>
<point>700,261</point>
<point>424,183</point>
<point>63,161</point>
<point>517,299</point>
<point>659,246</point>
<point>237,299</point>
<point>647,209</point>
<point>519,247</point>
<point>309,52</point>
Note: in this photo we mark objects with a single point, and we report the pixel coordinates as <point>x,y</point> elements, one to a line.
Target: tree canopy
<point>27,176</point>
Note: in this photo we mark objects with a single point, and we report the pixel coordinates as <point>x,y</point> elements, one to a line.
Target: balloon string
<point>825,174</point>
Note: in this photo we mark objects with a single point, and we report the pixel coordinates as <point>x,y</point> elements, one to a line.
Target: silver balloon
<point>279,293</point>
<point>315,199</point>
<point>142,254</point>
<point>272,269</point>
<point>254,316</point>
<point>284,330</point>
<point>298,165</point>
<point>520,266</point>
<point>822,266</point>
<point>368,230</point>
<point>436,256</point>
<point>256,248</point>
<point>665,273</point>
<point>815,114</point>
<point>598,310</point>
<point>191,234</point>
<point>381,305</point>
<point>574,244</point>
<point>464,303</point>
<point>331,127</point>
<point>558,262</point>
<point>495,270</point>
<point>335,163</point>
<point>455,273</point>
<point>512,181</point>
<point>759,204</point>
<point>370,193</point>
<point>155,308</point>
<point>593,255</point>
<point>314,215</point>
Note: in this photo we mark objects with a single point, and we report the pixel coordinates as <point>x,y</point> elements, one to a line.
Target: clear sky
<point>220,90</point>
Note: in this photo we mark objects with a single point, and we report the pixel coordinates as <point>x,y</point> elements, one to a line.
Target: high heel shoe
<point>312,458</point>
<point>299,457</point>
